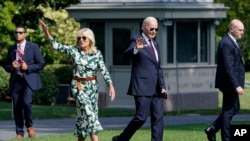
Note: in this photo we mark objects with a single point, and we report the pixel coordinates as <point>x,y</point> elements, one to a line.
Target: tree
<point>27,12</point>
<point>7,12</point>
<point>54,4</point>
<point>63,28</point>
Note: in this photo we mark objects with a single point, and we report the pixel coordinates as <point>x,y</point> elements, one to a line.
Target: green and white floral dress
<point>85,65</point>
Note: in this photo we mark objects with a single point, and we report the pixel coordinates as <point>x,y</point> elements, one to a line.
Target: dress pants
<point>22,103</point>
<point>144,105</point>
<point>230,107</point>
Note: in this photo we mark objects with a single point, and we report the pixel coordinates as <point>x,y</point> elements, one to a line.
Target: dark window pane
<point>203,40</point>
<point>121,40</point>
<point>99,30</point>
<point>186,42</point>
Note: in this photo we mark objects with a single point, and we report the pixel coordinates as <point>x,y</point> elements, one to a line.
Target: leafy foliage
<point>57,74</point>
<point>63,28</point>
<point>48,93</point>
<point>60,25</point>
<point>55,4</point>
<point>7,12</point>
<point>63,72</point>
<point>4,82</point>
<point>28,14</point>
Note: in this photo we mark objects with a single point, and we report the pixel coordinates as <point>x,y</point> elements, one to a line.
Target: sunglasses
<point>151,29</point>
<point>83,37</point>
<point>19,32</point>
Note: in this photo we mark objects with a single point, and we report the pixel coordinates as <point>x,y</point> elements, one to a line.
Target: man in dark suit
<point>23,62</point>
<point>147,84</point>
<point>229,80</point>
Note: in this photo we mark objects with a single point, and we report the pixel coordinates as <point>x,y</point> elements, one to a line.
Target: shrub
<point>49,91</point>
<point>4,82</point>
<point>63,72</point>
<point>51,76</point>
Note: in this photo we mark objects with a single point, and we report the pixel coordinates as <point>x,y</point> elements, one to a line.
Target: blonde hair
<point>90,35</point>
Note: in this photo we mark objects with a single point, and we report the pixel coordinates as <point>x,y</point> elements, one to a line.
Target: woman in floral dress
<point>87,61</point>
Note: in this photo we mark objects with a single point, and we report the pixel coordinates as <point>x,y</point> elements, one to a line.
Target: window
<point>121,40</point>
<point>187,42</point>
<point>99,30</point>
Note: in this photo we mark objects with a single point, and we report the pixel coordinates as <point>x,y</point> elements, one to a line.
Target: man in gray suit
<point>229,80</point>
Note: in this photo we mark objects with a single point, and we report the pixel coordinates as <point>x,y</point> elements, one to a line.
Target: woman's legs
<point>94,137</point>
<point>81,139</point>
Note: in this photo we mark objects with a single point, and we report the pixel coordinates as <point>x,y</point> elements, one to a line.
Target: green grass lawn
<point>190,132</point>
<point>39,111</point>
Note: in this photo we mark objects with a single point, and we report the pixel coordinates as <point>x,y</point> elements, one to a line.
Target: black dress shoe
<point>210,134</point>
<point>115,138</point>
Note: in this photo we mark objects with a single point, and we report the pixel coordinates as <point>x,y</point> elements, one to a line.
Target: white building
<point>186,36</point>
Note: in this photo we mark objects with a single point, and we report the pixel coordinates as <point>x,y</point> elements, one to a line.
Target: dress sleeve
<point>61,48</point>
<point>103,68</point>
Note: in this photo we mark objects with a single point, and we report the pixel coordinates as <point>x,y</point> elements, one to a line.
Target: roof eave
<point>162,11</point>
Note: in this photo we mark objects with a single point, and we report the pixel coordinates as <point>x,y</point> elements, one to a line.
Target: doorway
<point>120,35</point>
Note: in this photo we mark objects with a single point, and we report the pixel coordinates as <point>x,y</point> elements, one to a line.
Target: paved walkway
<point>58,126</point>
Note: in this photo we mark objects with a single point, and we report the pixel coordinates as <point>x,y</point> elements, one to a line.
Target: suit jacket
<point>34,59</point>
<point>230,71</point>
<point>146,75</point>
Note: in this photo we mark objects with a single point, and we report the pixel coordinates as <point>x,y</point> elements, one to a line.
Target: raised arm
<point>45,29</point>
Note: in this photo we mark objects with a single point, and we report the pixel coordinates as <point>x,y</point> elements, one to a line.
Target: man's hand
<point>15,64</point>
<point>139,44</point>
<point>24,66</point>
<point>164,93</point>
<point>239,90</point>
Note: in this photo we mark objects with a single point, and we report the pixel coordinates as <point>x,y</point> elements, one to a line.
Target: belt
<point>79,80</point>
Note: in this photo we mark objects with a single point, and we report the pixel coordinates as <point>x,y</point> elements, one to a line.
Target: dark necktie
<point>238,44</point>
<point>20,57</point>
<point>241,50</point>
<point>152,50</point>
